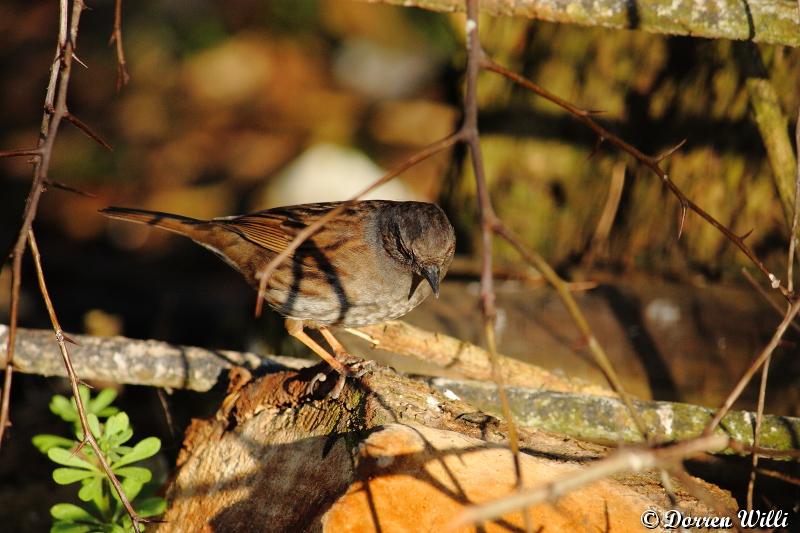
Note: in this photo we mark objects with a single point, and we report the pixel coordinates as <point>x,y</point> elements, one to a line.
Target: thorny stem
<point>73,380</point>
<point>55,109</point>
<point>469,129</point>
<point>55,100</point>
<point>651,162</point>
<point>625,460</point>
<point>762,391</point>
<point>116,37</point>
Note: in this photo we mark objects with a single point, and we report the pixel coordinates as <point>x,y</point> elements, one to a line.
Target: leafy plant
<point>105,512</point>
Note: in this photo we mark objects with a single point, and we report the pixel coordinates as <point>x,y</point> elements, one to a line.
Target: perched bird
<point>375,261</point>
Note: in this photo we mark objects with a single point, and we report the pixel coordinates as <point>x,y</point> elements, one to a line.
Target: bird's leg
<point>295,329</point>
<point>334,343</point>
<point>357,366</point>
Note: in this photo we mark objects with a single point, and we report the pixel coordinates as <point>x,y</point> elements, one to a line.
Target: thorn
<point>746,235</point>
<point>593,112</point>
<point>81,382</point>
<point>71,341</point>
<point>596,148</point>
<point>81,63</point>
<point>78,123</point>
<point>77,450</point>
<point>683,219</point>
<point>65,187</point>
<point>35,152</point>
<point>670,151</point>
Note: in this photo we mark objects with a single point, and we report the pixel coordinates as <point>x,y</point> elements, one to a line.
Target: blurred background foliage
<point>243,105</point>
<point>247,104</point>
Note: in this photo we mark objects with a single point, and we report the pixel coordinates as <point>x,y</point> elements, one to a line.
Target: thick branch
<point>606,420</point>
<point>767,21</point>
<point>466,360</point>
<point>123,360</point>
<point>543,403</point>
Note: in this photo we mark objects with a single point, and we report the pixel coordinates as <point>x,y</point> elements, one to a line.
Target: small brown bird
<point>376,261</point>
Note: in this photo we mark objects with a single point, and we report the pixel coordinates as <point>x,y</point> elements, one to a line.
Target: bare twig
<point>779,475</point>
<point>754,366</point>
<point>628,460</point>
<point>599,354</point>
<point>469,128</point>
<point>116,37</point>
<point>764,294</point>
<point>74,382</point>
<point>701,494</point>
<point>651,162</point>
<point>600,238</point>
<point>762,391</point>
<point>793,233</point>
<point>81,125</point>
<point>55,99</point>
<point>35,152</point>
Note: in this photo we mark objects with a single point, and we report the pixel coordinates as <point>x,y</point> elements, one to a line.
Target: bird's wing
<point>274,229</point>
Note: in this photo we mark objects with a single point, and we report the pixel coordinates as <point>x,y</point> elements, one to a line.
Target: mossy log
<point>770,21</point>
<point>606,420</point>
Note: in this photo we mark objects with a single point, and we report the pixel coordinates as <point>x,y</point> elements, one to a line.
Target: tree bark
<point>390,454</point>
<point>539,399</point>
<point>768,21</point>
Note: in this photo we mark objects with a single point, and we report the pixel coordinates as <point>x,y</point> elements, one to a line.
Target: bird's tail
<point>175,223</point>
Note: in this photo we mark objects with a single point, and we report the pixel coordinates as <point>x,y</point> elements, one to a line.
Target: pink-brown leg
<point>295,329</point>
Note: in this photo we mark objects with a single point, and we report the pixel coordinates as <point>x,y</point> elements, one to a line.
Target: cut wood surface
<point>390,454</point>
<point>768,21</point>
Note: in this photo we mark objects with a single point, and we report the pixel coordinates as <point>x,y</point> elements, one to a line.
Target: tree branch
<point>766,21</point>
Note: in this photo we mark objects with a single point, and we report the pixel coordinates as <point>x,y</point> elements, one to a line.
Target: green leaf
<point>142,475</point>
<point>44,442</point>
<point>62,407</point>
<point>116,424</point>
<point>91,489</point>
<point>151,506</point>
<point>120,438</point>
<point>108,411</point>
<point>67,458</point>
<point>85,395</point>
<point>103,399</point>
<point>71,513</point>
<point>145,448</point>
<point>70,527</point>
<point>65,476</point>
<point>94,424</point>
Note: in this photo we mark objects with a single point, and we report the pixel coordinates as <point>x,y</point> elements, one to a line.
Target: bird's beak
<point>431,274</point>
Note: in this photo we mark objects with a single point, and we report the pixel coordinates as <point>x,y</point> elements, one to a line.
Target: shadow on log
<point>389,454</point>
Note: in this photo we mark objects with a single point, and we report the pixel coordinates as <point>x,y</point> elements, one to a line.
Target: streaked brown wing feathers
<point>274,229</point>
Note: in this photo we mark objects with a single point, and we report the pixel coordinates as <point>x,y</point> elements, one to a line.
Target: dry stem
<point>628,460</point>
<point>116,38</point>
<point>74,382</point>
<point>55,100</point>
<point>754,366</point>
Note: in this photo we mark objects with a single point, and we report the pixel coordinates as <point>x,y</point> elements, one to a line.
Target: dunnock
<point>376,261</point>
